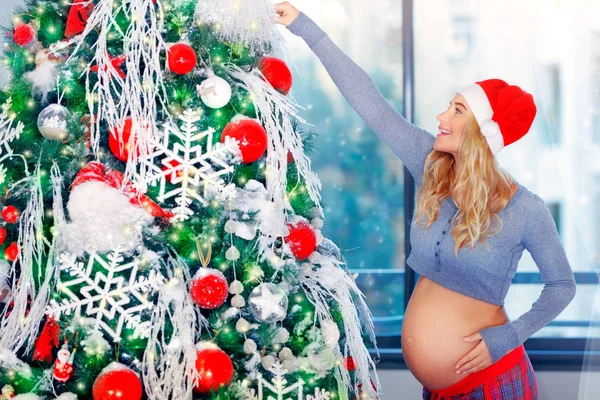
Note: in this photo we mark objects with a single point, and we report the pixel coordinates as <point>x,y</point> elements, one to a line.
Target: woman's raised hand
<point>287,13</point>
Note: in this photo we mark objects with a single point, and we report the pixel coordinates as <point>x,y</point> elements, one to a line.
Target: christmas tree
<point>161,225</point>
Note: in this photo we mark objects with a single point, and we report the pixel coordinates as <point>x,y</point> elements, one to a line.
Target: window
<point>461,44</point>
<point>595,87</point>
<point>455,44</point>
<point>363,183</point>
<point>548,103</point>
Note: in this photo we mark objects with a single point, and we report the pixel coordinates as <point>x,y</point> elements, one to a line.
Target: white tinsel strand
<point>247,21</point>
<point>328,282</point>
<point>22,325</point>
<point>143,44</point>
<point>38,305</point>
<point>169,368</point>
<point>275,112</point>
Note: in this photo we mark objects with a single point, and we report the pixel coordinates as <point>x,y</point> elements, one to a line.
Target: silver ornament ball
<point>52,122</point>
<point>268,303</point>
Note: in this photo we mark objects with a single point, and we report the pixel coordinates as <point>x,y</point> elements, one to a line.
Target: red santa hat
<point>504,112</point>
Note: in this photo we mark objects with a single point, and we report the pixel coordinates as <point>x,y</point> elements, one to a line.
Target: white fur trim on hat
<point>483,112</point>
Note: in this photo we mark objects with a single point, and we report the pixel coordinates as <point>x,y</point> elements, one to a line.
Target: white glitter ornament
<point>242,325</point>
<point>52,122</point>
<point>268,303</point>
<point>250,346</point>
<point>230,226</point>
<point>238,301</point>
<point>236,287</point>
<point>267,362</point>
<point>214,91</point>
<point>286,354</point>
<point>232,253</point>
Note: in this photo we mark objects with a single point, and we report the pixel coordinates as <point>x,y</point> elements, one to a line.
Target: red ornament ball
<point>251,135</point>
<point>2,235</point>
<point>11,252</point>
<point>301,239</point>
<point>24,35</point>
<point>10,214</point>
<point>215,369</point>
<point>209,288</point>
<point>117,382</point>
<point>182,58</point>
<point>277,73</point>
<point>350,364</point>
<point>121,151</point>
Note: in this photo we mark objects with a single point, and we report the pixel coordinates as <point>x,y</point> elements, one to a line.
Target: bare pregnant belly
<point>435,322</point>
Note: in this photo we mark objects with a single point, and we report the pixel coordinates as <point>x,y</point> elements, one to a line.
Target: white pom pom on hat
<point>504,112</point>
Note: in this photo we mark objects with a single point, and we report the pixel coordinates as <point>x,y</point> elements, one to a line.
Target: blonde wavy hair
<point>475,185</point>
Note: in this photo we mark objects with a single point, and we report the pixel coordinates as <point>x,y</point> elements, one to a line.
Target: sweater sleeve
<point>543,243</point>
<point>409,142</point>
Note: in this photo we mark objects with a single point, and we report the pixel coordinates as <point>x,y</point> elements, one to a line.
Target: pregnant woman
<point>472,222</point>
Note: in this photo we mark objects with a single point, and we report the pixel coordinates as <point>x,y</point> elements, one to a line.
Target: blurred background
<point>551,48</point>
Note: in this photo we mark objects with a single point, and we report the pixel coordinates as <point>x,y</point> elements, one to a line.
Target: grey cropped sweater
<point>484,272</point>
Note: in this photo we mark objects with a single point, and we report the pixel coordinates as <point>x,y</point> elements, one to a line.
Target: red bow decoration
<point>78,15</point>
<point>116,62</point>
<point>48,340</point>
<point>95,171</point>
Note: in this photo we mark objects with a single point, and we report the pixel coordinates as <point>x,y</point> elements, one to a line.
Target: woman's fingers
<point>287,13</point>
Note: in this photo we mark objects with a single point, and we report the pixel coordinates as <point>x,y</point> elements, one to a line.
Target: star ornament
<point>269,303</point>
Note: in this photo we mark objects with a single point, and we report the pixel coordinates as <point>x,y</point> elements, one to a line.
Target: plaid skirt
<point>510,378</point>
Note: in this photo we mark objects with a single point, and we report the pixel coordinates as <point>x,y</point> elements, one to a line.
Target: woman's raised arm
<point>409,142</point>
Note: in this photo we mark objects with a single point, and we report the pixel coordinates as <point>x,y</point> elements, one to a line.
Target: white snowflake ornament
<point>194,170</point>
<point>108,290</point>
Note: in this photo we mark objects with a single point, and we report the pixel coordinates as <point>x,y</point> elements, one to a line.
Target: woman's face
<point>452,121</point>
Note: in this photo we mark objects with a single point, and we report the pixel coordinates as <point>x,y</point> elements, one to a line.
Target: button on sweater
<point>486,271</point>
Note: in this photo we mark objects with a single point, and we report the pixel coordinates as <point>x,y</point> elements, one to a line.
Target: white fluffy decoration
<point>102,219</point>
<point>270,218</point>
<point>67,396</point>
<point>247,21</point>
<point>27,396</point>
<point>43,77</point>
<point>95,343</point>
<point>115,366</point>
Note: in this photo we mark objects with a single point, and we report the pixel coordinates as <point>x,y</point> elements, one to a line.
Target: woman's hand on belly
<point>477,358</point>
